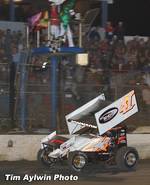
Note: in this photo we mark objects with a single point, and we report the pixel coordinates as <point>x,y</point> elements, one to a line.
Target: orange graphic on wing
<point>127,103</point>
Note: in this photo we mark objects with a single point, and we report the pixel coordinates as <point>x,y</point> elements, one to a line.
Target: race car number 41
<point>127,104</point>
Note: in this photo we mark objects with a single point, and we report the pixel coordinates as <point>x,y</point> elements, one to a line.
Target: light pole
<point>11,10</point>
<point>104,14</point>
<point>104,5</point>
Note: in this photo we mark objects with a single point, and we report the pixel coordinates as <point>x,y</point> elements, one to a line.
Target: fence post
<point>54,84</point>
<point>23,100</point>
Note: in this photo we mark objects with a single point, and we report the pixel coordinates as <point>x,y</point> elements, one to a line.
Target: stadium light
<point>16,1</point>
<point>108,1</point>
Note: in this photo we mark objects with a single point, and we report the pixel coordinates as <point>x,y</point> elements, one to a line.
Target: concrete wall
<point>25,147</point>
<point>142,143</point>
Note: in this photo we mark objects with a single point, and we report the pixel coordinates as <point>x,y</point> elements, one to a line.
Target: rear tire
<point>127,158</point>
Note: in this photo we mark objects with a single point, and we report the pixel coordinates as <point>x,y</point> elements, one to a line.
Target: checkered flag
<point>55,43</point>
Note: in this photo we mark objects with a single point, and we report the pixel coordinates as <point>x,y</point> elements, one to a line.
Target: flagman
<point>54,20</point>
<point>60,21</point>
<point>60,17</point>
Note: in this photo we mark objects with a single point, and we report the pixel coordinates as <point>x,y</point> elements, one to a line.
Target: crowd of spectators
<point>114,52</point>
<point>11,42</point>
<point>108,49</point>
<point>112,60</point>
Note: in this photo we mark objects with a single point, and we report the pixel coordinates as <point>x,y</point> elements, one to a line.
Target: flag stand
<point>38,38</point>
<point>48,31</point>
<point>27,37</point>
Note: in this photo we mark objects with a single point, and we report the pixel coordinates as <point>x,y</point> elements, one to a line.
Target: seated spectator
<point>7,42</point>
<point>15,55</point>
<point>132,58</point>
<point>147,44</point>
<point>141,60</point>
<point>146,78</point>
<point>101,32</point>
<point>146,67</point>
<point>119,31</point>
<point>104,46</point>
<point>105,54</point>
<point>3,57</point>
<point>109,31</point>
<point>1,38</point>
<point>119,58</point>
<point>93,34</point>
<point>146,96</point>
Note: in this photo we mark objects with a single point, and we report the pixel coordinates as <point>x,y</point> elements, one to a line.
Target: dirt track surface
<point>94,175</point>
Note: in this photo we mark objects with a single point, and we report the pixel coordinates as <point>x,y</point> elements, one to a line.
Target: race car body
<point>103,140</point>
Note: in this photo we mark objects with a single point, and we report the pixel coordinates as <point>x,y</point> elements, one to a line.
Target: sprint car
<point>106,140</point>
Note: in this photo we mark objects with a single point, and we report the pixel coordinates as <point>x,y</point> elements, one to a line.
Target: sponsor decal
<point>84,124</point>
<point>108,115</point>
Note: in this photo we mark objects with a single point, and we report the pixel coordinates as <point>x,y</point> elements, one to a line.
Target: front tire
<point>127,158</point>
<point>44,159</point>
<point>77,161</point>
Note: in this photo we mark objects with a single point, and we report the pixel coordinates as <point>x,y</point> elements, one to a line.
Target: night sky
<point>134,13</point>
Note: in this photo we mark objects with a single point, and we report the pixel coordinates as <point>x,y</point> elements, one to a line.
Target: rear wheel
<point>77,161</point>
<point>127,158</point>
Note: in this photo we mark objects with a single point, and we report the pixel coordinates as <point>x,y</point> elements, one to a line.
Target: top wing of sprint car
<point>107,118</point>
<point>72,119</point>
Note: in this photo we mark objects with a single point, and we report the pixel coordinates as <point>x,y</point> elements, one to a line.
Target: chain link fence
<point>76,86</point>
